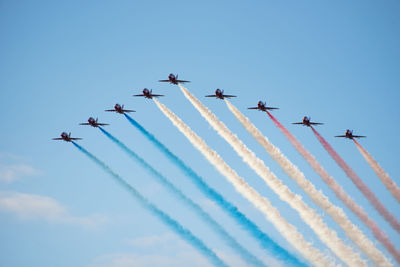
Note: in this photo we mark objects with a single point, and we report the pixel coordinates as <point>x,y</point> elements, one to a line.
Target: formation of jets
<point>219,94</point>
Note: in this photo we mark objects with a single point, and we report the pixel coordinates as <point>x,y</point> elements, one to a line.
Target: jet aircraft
<point>220,94</point>
<point>307,122</point>
<point>93,122</point>
<point>67,137</point>
<point>261,106</point>
<point>173,79</point>
<point>349,135</point>
<point>120,109</point>
<point>148,94</point>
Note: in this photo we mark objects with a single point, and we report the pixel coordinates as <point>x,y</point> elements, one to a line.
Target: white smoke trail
<point>287,230</point>
<point>352,231</point>
<point>308,215</point>
<point>383,176</point>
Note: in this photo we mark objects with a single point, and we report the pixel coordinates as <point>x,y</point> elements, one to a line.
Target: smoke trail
<point>385,178</point>
<point>246,255</point>
<point>265,241</point>
<point>338,215</point>
<point>165,218</point>
<point>308,215</point>
<point>359,183</point>
<point>288,231</point>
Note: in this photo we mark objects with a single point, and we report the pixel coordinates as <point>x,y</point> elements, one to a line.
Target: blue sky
<point>63,61</point>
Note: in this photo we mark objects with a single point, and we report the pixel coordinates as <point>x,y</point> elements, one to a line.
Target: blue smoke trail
<point>165,218</point>
<point>264,240</point>
<point>246,255</point>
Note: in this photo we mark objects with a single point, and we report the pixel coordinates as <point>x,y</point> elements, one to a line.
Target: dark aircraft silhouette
<point>307,122</point>
<point>93,122</point>
<point>220,94</point>
<point>120,109</point>
<point>67,137</point>
<point>148,94</point>
<point>349,135</point>
<point>261,106</point>
<point>173,79</point>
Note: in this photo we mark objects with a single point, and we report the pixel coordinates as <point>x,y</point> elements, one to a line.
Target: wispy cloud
<point>182,259</point>
<point>155,250</point>
<point>167,250</point>
<point>10,173</point>
<point>38,207</point>
<point>9,156</point>
<point>156,241</point>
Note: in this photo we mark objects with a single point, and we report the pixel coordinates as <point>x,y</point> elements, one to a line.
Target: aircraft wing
<point>75,138</point>
<point>128,110</point>
<point>211,96</point>
<point>57,139</point>
<point>297,123</point>
<point>102,124</point>
<point>164,81</point>
<point>316,123</point>
<point>182,81</point>
<point>155,95</point>
<point>358,136</point>
<point>139,95</point>
<point>112,110</point>
<point>254,108</point>
<point>340,136</point>
<point>228,96</point>
<point>84,123</point>
<point>270,108</point>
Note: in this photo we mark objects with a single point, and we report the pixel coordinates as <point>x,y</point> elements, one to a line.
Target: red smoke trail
<point>339,192</point>
<point>359,183</point>
<point>383,176</point>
